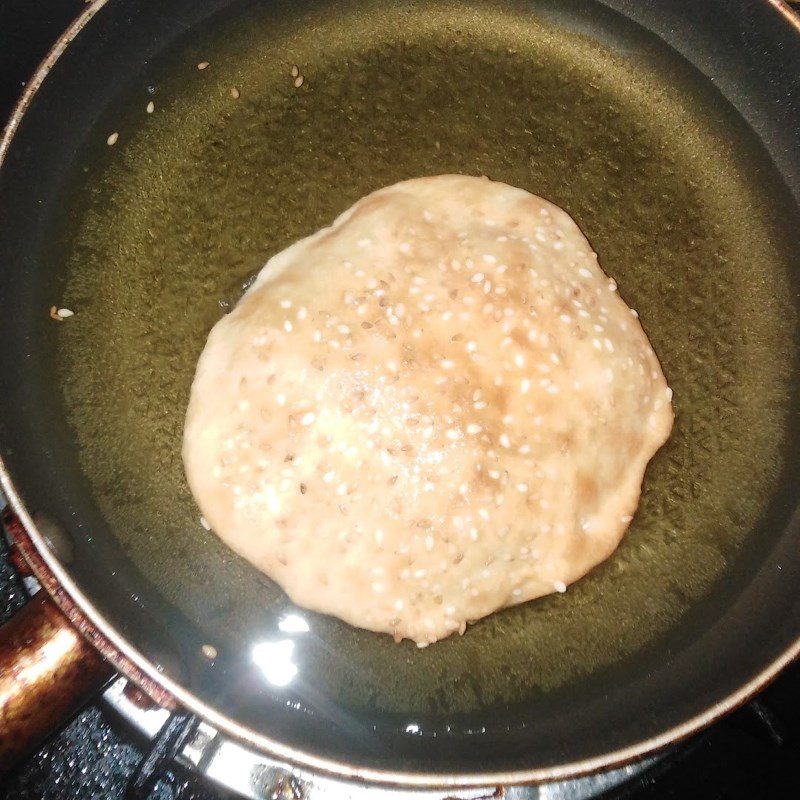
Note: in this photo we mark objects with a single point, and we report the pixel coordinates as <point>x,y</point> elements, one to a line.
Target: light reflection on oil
<point>274,659</point>
<point>293,623</point>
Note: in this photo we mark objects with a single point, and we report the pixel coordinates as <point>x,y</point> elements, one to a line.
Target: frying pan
<point>668,130</point>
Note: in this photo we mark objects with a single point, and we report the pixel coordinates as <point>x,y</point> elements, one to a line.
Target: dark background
<point>755,753</point>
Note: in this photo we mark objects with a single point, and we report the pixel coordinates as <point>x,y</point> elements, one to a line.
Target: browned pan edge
<point>118,651</point>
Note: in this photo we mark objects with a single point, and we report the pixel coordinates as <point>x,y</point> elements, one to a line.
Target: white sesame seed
<point>560,586</point>
<point>504,440</point>
<point>204,523</point>
<point>112,139</point>
<point>308,418</point>
<point>151,107</point>
<point>473,429</point>
<point>209,651</point>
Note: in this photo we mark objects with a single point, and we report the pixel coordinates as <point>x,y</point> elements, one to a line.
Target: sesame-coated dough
<point>437,407</point>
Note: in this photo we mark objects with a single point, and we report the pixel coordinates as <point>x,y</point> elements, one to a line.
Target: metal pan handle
<point>47,672</point>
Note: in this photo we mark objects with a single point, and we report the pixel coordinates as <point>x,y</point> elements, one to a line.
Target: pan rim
<point>125,658</point>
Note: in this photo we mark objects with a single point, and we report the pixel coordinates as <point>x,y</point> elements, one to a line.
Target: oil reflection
<point>274,659</point>
<point>293,623</point>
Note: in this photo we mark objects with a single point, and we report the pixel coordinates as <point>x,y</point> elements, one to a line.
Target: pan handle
<point>47,672</point>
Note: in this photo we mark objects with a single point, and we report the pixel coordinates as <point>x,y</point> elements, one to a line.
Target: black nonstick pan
<point>166,150</point>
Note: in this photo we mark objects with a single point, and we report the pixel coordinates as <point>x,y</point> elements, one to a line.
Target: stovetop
<point>754,753</point>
